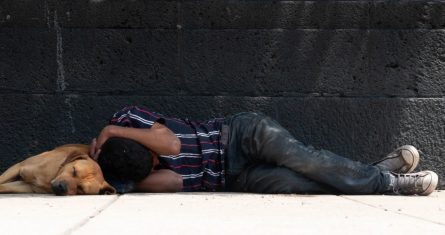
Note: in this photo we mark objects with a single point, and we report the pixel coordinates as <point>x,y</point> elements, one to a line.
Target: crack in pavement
<point>90,217</point>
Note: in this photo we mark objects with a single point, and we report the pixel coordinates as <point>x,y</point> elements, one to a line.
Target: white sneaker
<point>421,183</point>
<point>402,160</point>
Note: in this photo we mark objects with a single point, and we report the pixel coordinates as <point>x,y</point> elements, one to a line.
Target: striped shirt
<point>200,161</point>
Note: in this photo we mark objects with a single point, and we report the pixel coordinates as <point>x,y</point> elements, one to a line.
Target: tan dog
<point>65,170</point>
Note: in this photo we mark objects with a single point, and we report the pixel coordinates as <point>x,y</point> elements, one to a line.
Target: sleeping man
<point>248,152</point>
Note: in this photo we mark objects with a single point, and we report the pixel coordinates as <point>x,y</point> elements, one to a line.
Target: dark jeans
<point>263,157</point>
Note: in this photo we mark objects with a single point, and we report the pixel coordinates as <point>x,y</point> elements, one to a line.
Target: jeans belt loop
<point>225,135</point>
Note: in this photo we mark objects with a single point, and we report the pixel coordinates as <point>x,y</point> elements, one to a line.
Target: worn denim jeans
<point>263,157</point>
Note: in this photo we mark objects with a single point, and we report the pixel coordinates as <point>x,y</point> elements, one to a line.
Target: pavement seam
<point>90,217</point>
<point>393,211</point>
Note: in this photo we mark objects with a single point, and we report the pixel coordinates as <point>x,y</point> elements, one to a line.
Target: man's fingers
<point>96,155</point>
<point>94,150</point>
<point>93,147</point>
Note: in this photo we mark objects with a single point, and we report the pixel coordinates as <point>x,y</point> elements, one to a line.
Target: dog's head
<point>80,174</point>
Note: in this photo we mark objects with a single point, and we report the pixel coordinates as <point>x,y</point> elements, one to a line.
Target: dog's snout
<point>59,187</point>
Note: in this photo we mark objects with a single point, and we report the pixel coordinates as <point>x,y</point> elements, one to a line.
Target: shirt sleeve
<point>136,117</point>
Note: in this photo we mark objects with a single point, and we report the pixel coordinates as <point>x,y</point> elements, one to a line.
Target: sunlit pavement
<point>222,213</point>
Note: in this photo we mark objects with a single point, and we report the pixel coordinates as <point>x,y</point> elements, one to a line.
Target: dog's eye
<point>74,172</point>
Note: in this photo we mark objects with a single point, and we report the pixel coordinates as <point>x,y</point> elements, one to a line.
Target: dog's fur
<point>65,170</point>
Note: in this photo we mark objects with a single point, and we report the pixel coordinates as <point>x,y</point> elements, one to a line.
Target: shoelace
<point>408,183</point>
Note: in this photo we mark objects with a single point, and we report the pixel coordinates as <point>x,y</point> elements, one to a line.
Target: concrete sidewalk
<point>222,213</point>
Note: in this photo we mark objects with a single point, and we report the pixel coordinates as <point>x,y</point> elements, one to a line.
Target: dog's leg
<point>16,187</point>
<point>11,174</point>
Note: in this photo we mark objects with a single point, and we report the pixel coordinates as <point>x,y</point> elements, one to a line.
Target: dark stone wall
<point>356,77</point>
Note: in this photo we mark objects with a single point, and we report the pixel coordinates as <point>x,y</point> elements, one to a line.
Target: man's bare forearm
<point>158,139</point>
<point>161,181</point>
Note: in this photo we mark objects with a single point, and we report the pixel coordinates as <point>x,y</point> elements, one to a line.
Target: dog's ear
<point>75,155</point>
<point>107,189</point>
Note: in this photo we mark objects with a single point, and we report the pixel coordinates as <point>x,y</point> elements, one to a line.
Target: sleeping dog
<point>65,170</point>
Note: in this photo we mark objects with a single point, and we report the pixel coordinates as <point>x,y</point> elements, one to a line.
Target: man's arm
<point>161,181</point>
<point>158,138</point>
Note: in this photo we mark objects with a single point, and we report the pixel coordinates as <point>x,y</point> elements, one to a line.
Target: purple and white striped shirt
<point>201,159</point>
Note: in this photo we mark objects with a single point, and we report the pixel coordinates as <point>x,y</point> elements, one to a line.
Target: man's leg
<point>263,178</point>
<point>257,139</point>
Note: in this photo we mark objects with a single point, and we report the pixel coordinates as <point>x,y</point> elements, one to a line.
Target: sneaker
<point>402,160</point>
<point>422,183</point>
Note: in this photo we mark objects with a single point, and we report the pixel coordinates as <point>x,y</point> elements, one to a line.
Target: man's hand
<point>93,153</point>
<point>96,143</point>
<point>104,135</point>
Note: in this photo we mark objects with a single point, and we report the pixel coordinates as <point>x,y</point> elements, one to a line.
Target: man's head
<point>125,159</point>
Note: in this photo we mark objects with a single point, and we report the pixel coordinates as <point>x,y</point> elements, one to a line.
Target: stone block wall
<point>356,77</point>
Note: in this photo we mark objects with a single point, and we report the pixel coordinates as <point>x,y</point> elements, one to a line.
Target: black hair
<point>125,159</point>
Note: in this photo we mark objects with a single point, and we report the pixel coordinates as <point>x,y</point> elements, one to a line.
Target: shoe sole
<point>433,184</point>
<point>413,156</point>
